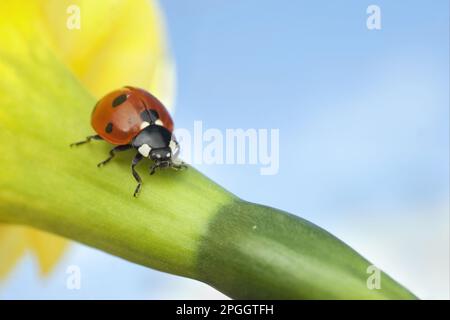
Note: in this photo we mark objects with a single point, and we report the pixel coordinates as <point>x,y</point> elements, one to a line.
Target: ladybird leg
<point>179,166</point>
<point>136,159</point>
<point>153,168</point>
<point>112,153</point>
<point>88,139</point>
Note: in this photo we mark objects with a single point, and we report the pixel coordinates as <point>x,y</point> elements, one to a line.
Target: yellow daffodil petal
<point>12,246</point>
<point>109,44</point>
<point>47,247</point>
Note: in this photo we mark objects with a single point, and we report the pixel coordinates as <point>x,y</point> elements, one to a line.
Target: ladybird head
<point>158,144</point>
<point>161,154</point>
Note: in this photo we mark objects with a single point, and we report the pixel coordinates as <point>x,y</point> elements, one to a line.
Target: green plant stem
<point>182,223</point>
<point>257,252</point>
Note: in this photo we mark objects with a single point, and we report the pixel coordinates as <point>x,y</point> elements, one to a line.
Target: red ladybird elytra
<point>133,118</point>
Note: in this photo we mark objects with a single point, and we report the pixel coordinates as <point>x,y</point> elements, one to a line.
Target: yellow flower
<point>106,44</point>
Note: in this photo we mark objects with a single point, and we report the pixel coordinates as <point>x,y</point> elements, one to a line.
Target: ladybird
<point>132,118</point>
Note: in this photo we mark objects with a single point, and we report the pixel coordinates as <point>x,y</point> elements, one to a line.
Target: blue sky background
<point>364,132</point>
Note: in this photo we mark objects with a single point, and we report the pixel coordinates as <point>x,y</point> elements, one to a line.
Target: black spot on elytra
<point>149,115</point>
<point>109,127</point>
<point>155,114</point>
<point>119,100</point>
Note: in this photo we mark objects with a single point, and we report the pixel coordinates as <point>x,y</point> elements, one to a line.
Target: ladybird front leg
<point>153,168</point>
<point>112,153</point>
<point>138,157</point>
<point>88,139</point>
